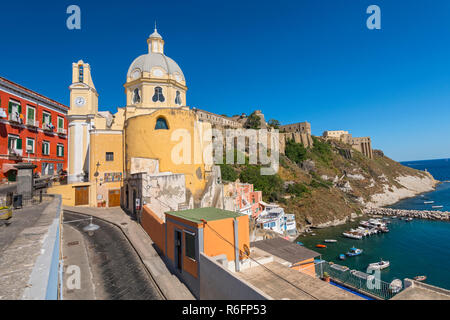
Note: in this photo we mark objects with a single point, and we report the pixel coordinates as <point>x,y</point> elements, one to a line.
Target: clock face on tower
<point>80,101</point>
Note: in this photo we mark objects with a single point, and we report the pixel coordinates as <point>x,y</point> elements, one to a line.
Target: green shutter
<point>10,107</point>
<point>19,144</point>
<point>60,123</point>
<point>30,114</point>
<point>62,151</point>
<point>19,108</point>
<point>43,148</point>
<point>9,142</point>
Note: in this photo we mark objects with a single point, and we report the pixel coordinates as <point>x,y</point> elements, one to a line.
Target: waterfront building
<point>275,219</point>
<point>241,197</point>
<point>122,158</point>
<point>34,130</point>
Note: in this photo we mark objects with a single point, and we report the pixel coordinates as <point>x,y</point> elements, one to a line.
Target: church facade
<point>131,158</point>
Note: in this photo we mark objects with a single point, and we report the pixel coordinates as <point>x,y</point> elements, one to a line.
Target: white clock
<point>80,101</point>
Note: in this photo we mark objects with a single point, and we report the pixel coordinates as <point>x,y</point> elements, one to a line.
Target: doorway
<point>81,196</point>
<point>178,252</point>
<point>113,198</point>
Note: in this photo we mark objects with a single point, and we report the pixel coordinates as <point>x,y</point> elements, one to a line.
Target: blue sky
<point>297,60</point>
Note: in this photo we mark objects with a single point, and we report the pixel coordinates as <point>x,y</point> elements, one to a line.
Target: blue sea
<point>419,247</point>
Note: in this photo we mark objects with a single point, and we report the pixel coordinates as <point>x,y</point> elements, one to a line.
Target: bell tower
<point>83,108</point>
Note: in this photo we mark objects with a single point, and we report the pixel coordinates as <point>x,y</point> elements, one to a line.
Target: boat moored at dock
<point>379,265</point>
<point>354,252</point>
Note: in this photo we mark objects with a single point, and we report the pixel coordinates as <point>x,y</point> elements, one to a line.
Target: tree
<point>270,185</point>
<point>228,173</point>
<point>253,122</point>
<point>273,123</point>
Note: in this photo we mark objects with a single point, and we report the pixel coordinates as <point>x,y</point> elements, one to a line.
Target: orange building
<point>182,235</point>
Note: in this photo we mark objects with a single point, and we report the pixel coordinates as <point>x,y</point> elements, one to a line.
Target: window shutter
<point>19,144</point>
<point>43,148</point>
<point>10,107</point>
<point>9,143</point>
<point>50,118</point>
<point>19,108</point>
<point>62,151</point>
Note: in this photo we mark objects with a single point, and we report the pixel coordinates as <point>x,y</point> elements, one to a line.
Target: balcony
<point>62,131</point>
<point>47,127</point>
<point>14,117</point>
<point>32,123</point>
<point>15,153</point>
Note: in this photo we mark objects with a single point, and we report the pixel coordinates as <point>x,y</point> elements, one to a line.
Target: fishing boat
<point>396,285</point>
<point>428,202</point>
<point>320,246</point>
<point>394,217</point>
<point>420,278</point>
<point>342,256</point>
<point>379,265</point>
<point>354,252</point>
<point>300,243</point>
<point>437,207</point>
<point>330,240</point>
<point>409,219</point>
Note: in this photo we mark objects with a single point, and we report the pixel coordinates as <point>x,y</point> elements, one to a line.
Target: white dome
<point>146,62</point>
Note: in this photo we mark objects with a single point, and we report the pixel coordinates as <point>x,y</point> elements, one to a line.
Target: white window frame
<point>49,117</point>
<point>58,148</point>
<point>48,149</point>
<point>34,146</point>
<point>16,137</point>
<point>57,123</point>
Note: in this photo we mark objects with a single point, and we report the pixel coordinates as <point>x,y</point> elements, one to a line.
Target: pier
<point>419,214</point>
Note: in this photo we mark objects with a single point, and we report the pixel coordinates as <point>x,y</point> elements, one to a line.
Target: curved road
<point>110,268</point>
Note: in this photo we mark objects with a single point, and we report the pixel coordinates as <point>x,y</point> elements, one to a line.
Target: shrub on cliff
<point>228,173</point>
<point>253,122</point>
<point>296,152</point>
<point>322,149</point>
<point>270,185</point>
<point>298,189</point>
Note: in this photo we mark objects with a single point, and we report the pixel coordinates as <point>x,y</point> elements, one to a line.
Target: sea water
<point>419,247</point>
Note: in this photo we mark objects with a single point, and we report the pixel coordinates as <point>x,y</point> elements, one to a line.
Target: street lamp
<point>90,228</point>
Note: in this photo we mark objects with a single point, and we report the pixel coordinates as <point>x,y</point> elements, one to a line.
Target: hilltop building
<point>130,158</point>
<point>362,144</point>
<point>33,129</point>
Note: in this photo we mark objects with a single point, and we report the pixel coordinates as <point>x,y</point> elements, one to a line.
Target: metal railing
<point>365,283</point>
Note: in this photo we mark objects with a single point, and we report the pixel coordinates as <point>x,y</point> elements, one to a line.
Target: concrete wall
<point>217,283</point>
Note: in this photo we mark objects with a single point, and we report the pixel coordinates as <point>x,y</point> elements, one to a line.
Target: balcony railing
<point>13,117</point>
<point>47,126</point>
<point>62,131</point>
<point>15,152</point>
<point>32,123</point>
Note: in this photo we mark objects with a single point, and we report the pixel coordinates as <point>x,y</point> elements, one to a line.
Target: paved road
<point>110,268</point>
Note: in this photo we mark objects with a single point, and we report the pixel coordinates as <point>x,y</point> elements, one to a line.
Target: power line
<point>275,274</point>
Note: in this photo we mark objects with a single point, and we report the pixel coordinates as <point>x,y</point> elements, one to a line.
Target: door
<point>81,196</point>
<point>114,198</point>
<point>178,253</point>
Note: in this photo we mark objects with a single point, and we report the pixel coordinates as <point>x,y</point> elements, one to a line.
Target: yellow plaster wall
<point>143,141</point>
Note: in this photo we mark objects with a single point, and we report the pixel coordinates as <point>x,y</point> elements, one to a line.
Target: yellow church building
<point>130,158</point>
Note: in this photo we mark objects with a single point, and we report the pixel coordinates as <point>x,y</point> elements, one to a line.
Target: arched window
<point>161,124</point>
<point>158,96</point>
<point>178,98</point>
<point>136,96</point>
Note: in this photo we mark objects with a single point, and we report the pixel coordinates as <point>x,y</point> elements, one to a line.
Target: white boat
<point>379,265</point>
<point>428,202</point>
<point>352,235</point>
<point>437,207</point>
<point>330,240</point>
<point>396,285</point>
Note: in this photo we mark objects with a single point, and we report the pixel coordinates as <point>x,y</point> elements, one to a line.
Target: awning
<point>8,166</point>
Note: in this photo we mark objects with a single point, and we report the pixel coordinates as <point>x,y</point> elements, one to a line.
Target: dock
<point>418,214</point>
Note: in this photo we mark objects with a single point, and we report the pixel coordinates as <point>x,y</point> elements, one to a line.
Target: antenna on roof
<point>155,25</point>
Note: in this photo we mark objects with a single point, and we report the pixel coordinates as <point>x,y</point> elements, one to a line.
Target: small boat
<point>379,265</point>
<point>320,246</point>
<point>428,202</point>
<point>437,207</point>
<point>330,240</point>
<point>354,252</point>
<point>394,217</point>
<point>352,235</point>
<point>299,243</point>
<point>396,285</point>
<point>342,256</point>
<point>409,219</point>
<point>420,278</point>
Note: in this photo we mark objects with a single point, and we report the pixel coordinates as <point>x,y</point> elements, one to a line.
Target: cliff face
<point>339,185</point>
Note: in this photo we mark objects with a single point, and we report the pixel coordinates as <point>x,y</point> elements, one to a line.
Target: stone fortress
<point>362,144</point>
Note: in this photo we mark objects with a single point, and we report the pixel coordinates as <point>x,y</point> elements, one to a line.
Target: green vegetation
<point>228,173</point>
<point>273,123</point>
<point>322,150</point>
<point>271,186</point>
<point>298,189</point>
<point>253,122</point>
<point>296,152</point>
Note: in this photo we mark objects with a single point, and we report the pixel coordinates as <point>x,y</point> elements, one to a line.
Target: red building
<point>33,128</point>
